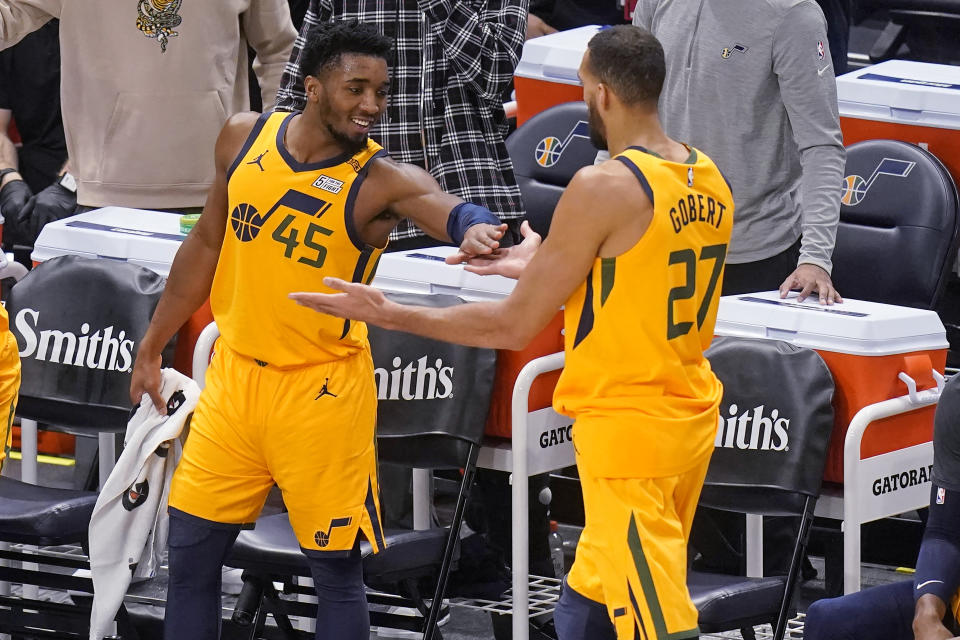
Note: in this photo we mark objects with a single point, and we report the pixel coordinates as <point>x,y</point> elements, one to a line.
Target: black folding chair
<point>899,200</point>
<point>76,321</point>
<point>440,429</point>
<point>770,465</point>
<point>546,151</point>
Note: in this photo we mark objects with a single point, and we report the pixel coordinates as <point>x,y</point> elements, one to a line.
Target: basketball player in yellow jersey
<point>290,396</point>
<point>9,383</point>
<point>635,255</point>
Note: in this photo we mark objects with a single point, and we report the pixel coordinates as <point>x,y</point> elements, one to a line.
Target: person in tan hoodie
<point>146,86</point>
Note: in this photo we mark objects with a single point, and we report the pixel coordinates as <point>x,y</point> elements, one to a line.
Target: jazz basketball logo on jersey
<point>550,148</point>
<point>322,538</point>
<point>855,187</point>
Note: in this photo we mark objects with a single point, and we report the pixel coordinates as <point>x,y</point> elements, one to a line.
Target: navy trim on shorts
<point>371,508</point>
<point>254,134</point>
<point>173,512</point>
<point>320,553</point>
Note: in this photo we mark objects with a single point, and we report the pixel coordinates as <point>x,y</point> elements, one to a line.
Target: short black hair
<point>629,60</point>
<point>325,44</point>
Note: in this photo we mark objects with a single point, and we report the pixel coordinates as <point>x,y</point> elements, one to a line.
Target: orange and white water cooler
<point>866,346</point>
<point>424,271</point>
<point>547,72</point>
<point>915,102</point>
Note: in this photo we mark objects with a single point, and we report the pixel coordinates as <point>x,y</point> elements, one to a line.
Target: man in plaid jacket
<point>453,63</point>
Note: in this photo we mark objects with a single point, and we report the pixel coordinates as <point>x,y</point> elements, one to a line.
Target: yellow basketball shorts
<point>310,430</point>
<point>9,387</point>
<point>632,554</point>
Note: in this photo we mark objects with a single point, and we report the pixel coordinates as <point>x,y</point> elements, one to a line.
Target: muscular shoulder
<point>609,186</point>
<point>396,180</point>
<point>233,134</point>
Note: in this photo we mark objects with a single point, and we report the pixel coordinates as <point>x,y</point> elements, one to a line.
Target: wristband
<point>465,215</point>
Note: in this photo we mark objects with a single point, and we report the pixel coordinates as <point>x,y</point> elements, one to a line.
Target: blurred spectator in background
<point>548,16</point>
<point>453,62</point>
<point>146,87</point>
<point>30,95</point>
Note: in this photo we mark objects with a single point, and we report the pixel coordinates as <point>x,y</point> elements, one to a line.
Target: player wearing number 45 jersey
<point>290,396</point>
<point>635,256</point>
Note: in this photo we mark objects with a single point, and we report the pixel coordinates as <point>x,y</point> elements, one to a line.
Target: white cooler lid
<point>556,57</point>
<point>147,238</point>
<point>424,271</point>
<point>855,326</point>
<point>905,91</point>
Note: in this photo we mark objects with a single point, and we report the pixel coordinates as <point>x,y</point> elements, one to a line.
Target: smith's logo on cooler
<point>418,380</point>
<point>105,348</point>
<point>753,430</point>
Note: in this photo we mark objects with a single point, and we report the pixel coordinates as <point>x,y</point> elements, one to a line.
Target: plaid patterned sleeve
<point>291,96</point>
<point>483,45</point>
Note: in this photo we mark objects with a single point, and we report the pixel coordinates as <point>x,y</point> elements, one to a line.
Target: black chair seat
<point>44,516</point>
<point>721,600</point>
<point>272,548</point>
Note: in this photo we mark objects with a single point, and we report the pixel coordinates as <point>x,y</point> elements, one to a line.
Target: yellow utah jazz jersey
<point>290,225</point>
<point>643,396</point>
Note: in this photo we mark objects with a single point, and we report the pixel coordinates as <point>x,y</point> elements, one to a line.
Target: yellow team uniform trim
<point>9,382</point>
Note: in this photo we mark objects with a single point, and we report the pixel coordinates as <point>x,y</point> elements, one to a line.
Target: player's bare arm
<point>511,261</point>
<point>394,191</point>
<point>591,211</point>
<point>191,273</point>
<point>508,261</point>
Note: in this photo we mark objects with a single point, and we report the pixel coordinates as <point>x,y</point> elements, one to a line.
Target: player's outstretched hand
<point>809,278</point>
<point>509,261</point>
<point>147,378</point>
<point>479,240</point>
<point>357,302</point>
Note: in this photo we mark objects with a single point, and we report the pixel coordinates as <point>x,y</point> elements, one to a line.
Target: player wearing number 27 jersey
<point>635,256</point>
<point>635,380</point>
<point>644,399</point>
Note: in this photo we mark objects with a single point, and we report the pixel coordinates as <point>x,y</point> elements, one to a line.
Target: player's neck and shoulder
<point>614,187</point>
<point>233,135</point>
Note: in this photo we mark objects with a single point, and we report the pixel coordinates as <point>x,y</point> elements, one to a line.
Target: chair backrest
<point>774,429</point>
<point>929,30</point>
<point>546,151</point>
<point>433,396</point>
<point>77,322</point>
<point>897,237</point>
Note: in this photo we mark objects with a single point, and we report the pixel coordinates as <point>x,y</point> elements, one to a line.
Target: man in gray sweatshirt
<point>754,88</point>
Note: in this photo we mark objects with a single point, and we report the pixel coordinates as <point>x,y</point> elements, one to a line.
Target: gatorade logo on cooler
<point>107,349</point>
<point>904,479</point>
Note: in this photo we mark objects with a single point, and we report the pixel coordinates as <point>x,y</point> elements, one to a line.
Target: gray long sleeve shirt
<point>752,85</point>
